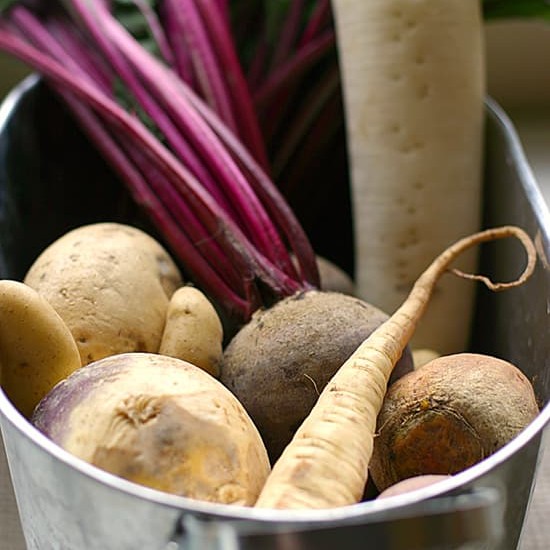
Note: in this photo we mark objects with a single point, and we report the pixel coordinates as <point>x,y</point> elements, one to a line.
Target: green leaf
<point>495,9</point>
<point>7,4</point>
<point>129,15</point>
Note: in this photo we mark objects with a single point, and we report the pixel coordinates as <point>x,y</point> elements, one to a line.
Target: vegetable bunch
<point>181,129</point>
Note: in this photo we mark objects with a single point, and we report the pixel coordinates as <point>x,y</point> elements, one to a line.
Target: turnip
<point>448,415</point>
<point>413,78</point>
<point>326,463</point>
<point>160,422</point>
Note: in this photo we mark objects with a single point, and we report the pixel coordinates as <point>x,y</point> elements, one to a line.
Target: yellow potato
<point>193,330</point>
<point>111,284</point>
<point>36,347</point>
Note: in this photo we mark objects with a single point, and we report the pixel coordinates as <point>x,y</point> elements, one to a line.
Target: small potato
<point>412,484</point>
<point>111,284</point>
<point>160,422</point>
<point>193,330</point>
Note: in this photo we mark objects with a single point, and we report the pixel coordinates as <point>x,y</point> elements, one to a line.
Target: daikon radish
<point>413,83</point>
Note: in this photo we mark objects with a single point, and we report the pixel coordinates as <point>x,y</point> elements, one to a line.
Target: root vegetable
<point>193,330</point>
<point>326,463</point>
<point>111,284</point>
<point>423,356</point>
<point>282,359</point>
<point>413,85</point>
<point>160,422</point>
<point>447,416</point>
<point>37,349</point>
<point>412,484</point>
<point>333,278</point>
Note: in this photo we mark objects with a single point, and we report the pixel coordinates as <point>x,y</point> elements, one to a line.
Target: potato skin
<point>37,349</point>
<point>282,359</point>
<point>160,422</point>
<point>193,330</point>
<point>448,415</point>
<point>412,484</point>
<point>111,284</point>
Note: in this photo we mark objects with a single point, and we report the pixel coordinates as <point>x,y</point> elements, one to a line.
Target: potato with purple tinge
<point>110,283</point>
<point>160,422</point>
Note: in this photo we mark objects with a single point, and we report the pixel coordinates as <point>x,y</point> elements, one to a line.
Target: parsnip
<point>413,84</point>
<point>37,349</point>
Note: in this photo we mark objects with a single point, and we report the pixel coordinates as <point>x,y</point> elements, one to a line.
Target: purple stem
<point>295,67</point>
<point>219,35</point>
<point>121,67</point>
<point>320,17</point>
<point>266,190</point>
<point>156,30</point>
<point>182,61</point>
<point>170,91</point>
<point>288,34</point>
<point>229,234</point>
<point>187,20</point>
<point>89,64</point>
<point>110,149</point>
<point>190,127</point>
<point>197,264</point>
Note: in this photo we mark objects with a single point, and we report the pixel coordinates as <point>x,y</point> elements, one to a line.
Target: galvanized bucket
<point>65,503</point>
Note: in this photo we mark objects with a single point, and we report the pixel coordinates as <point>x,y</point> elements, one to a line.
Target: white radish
<point>414,83</point>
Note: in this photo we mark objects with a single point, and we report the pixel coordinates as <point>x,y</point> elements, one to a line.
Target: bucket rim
<point>370,509</point>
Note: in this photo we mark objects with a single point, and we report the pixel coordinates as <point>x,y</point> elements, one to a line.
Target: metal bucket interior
<point>46,167</point>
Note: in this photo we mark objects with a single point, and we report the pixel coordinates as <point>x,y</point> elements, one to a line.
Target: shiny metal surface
<point>67,504</point>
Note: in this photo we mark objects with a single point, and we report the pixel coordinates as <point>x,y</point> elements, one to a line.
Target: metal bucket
<point>65,503</point>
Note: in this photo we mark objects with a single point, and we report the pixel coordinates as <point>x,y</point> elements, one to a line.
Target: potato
<point>448,415</point>
<point>411,484</point>
<point>37,349</point>
<point>193,330</point>
<point>111,284</point>
<point>282,359</point>
<point>160,422</point>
